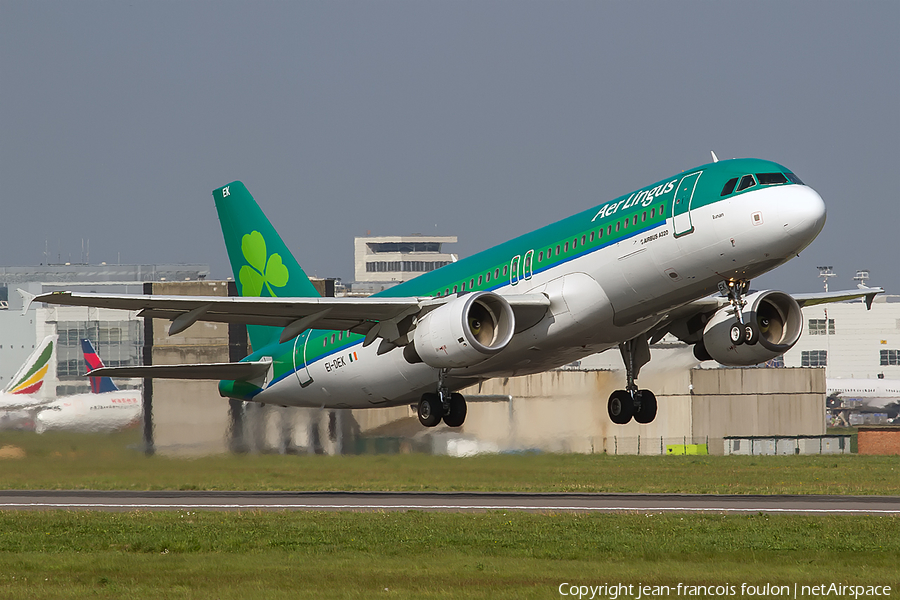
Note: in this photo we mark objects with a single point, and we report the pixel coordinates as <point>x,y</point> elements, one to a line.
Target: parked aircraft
<point>874,392</point>
<point>106,408</point>
<point>26,389</point>
<point>621,274</point>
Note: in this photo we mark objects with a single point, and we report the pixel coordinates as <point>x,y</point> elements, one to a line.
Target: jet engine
<point>775,321</point>
<point>465,331</point>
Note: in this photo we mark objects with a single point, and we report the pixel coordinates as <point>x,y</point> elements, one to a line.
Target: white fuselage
<point>597,300</point>
<point>874,392</point>
<point>104,412</point>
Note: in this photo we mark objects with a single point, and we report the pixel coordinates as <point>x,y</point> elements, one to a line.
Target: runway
<point>444,501</point>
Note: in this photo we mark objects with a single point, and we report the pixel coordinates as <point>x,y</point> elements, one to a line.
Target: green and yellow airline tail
<point>262,264</point>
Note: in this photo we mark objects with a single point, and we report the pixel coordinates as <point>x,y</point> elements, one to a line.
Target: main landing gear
<point>740,332</point>
<point>631,402</point>
<point>442,405</point>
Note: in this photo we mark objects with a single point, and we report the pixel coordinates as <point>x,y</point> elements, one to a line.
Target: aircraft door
<point>514,270</point>
<point>301,366</point>
<point>681,205</point>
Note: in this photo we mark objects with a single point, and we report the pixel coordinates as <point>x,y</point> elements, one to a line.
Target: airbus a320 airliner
<point>673,257</point>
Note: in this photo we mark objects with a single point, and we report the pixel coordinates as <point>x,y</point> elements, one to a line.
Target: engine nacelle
<point>776,317</point>
<point>465,331</point>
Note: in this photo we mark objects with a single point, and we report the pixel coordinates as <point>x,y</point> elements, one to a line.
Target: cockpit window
<point>729,187</point>
<point>747,181</point>
<point>793,178</point>
<point>771,178</point>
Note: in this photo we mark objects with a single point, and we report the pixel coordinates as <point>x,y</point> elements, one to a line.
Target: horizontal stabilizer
<point>215,371</point>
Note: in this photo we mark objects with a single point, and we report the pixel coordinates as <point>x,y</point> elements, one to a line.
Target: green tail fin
<point>262,264</point>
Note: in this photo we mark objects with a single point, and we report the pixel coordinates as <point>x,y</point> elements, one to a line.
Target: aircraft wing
<point>685,321</point>
<point>359,315</point>
<point>828,297</point>
<point>240,370</point>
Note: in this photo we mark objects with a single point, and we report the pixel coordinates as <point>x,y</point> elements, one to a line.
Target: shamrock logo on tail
<point>261,269</point>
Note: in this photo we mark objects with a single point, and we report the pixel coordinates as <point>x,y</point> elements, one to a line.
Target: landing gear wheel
<point>430,410</point>
<point>736,333</point>
<point>647,412</point>
<point>751,334</point>
<point>620,407</point>
<point>456,416</point>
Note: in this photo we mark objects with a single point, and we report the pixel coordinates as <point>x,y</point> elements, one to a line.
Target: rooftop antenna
<point>862,278</point>
<point>825,273</point>
<point>715,158</point>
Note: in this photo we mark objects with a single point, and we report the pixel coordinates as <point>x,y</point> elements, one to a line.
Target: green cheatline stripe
<point>41,361</point>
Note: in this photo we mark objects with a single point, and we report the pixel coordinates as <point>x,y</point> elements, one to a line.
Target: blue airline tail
<point>99,385</point>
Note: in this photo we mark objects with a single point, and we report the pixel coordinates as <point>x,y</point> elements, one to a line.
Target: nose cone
<point>804,214</point>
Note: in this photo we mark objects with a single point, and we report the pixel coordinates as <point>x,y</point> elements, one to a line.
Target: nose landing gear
<point>740,332</point>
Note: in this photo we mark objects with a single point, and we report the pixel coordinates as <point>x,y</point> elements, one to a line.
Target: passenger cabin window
<point>574,243</point>
<point>600,233</point>
<point>652,212</point>
<point>626,223</point>
<point>505,270</point>
<point>455,288</point>
<point>644,216</point>
<point>541,256</point>
<point>771,178</point>
<point>480,279</point>
<point>497,273</point>
<point>566,247</point>
<point>592,236</point>
<point>557,250</point>
<point>619,224</point>
<point>793,178</point>
<point>747,181</point>
<point>472,283</point>
<point>634,221</point>
<point>729,186</point>
<point>488,276</point>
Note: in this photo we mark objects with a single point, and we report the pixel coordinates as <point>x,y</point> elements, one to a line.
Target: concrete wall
<point>189,417</point>
<point>565,411</point>
<point>753,402</point>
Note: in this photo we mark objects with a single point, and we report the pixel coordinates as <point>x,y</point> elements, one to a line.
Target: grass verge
<point>426,555</point>
<point>58,460</point>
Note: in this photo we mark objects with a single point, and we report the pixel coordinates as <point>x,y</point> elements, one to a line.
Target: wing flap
<point>344,313</point>
<point>244,371</point>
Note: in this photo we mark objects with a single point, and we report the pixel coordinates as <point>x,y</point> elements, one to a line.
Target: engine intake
<point>776,317</point>
<point>465,331</point>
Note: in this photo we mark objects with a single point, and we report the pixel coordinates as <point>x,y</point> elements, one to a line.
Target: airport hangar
<point>559,411</point>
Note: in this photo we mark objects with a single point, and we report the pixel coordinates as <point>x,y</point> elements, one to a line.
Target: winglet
<point>27,299</point>
<point>870,297</point>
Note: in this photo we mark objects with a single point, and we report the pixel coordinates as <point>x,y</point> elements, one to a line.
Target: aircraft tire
<point>751,334</point>
<point>620,407</point>
<point>430,410</point>
<point>647,412</point>
<point>736,333</point>
<point>457,414</point>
